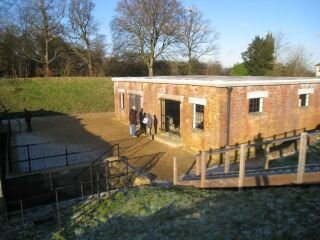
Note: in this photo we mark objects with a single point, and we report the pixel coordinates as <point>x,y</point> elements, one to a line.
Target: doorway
<point>170,116</point>
<point>135,100</point>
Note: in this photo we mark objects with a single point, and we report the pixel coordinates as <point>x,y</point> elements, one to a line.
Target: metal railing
<point>64,157</point>
<point>88,184</point>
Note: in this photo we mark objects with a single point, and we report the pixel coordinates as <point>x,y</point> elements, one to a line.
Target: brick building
<point>211,112</point>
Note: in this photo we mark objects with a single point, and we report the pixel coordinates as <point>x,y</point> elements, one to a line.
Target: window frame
<point>305,101</point>
<point>196,118</point>
<point>121,100</point>
<point>256,107</point>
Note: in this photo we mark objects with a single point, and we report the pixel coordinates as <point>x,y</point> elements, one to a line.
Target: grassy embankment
<point>58,95</point>
<point>188,213</point>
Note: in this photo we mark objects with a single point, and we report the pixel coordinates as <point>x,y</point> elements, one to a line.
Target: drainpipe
<point>229,90</point>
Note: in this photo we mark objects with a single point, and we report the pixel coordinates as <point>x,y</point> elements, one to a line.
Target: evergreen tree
<point>259,57</point>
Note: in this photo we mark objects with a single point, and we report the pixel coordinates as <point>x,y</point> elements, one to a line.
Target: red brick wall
<point>281,112</point>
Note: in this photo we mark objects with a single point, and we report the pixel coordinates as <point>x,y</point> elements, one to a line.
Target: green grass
<point>58,95</point>
<point>187,213</point>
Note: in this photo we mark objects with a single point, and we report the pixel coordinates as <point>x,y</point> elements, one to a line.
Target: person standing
<point>133,121</point>
<point>155,123</point>
<point>141,119</point>
<point>149,123</point>
<point>27,119</point>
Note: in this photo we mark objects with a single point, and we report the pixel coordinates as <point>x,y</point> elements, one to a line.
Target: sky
<point>239,21</point>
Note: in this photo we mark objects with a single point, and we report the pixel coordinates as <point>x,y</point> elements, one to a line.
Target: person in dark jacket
<point>133,121</point>
<point>141,119</point>
<point>149,123</point>
<point>155,123</point>
<point>27,118</point>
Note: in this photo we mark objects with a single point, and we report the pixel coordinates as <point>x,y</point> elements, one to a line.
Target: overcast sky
<point>239,21</point>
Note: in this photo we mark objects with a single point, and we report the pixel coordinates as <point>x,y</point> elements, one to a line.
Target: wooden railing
<point>202,159</point>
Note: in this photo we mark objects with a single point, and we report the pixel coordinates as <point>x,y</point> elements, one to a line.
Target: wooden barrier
<point>227,160</point>
<point>175,171</point>
<point>242,164</point>
<point>302,157</point>
<point>198,165</point>
<point>203,169</point>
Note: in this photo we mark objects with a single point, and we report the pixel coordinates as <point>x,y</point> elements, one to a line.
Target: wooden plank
<point>302,156</point>
<point>175,171</point>
<point>203,168</point>
<point>198,165</point>
<point>242,165</point>
<point>227,160</point>
<point>267,156</point>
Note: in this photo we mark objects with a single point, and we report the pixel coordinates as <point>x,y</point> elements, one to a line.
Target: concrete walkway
<point>99,131</point>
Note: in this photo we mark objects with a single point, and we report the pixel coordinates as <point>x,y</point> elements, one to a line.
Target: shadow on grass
<point>194,214</point>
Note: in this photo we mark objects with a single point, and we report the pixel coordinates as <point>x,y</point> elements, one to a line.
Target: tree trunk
<point>150,71</point>
<point>150,67</point>
<point>189,63</point>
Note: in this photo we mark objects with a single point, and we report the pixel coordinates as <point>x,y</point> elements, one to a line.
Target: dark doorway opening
<point>135,100</point>
<point>170,116</point>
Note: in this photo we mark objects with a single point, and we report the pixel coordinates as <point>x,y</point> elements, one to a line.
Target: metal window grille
<point>198,116</point>
<point>303,100</point>
<point>255,105</point>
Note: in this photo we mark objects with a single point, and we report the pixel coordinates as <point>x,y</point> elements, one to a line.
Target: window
<point>255,105</point>
<point>121,101</point>
<point>198,116</point>
<point>303,100</point>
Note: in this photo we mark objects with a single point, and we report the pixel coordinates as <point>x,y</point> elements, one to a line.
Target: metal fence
<point>77,198</point>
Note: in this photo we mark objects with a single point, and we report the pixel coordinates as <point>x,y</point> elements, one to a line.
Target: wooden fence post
<point>302,157</point>
<point>267,152</point>
<point>175,171</point>
<point>198,163</point>
<point>242,164</point>
<point>227,160</point>
<point>203,169</point>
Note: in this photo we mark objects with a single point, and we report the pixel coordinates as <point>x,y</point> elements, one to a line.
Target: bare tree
<point>299,63</point>
<point>281,45</point>
<point>43,25</point>
<point>83,30</point>
<point>198,37</point>
<point>146,27</point>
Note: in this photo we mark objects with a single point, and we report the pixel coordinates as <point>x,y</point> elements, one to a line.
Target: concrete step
<point>168,139</point>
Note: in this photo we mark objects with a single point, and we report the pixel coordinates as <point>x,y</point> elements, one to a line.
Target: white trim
<point>257,94</point>
<point>170,97</point>
<point>121,90</point>
<point>121,100</point>
<point>199,101</point>
<point>194,116</point>
<point>305,91</point>
<point>220,81</point>
<point>135,92</point>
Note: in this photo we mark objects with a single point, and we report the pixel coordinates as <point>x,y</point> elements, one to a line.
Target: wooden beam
<point>302,156</point>
<point>203,169</point>
<point>267,156</point>
<point>198,165</point>
<point>227,160</point>
<point>175,171</point>
<point>242,164</point>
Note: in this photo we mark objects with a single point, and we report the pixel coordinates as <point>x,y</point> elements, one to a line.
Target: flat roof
<point>221,81</point>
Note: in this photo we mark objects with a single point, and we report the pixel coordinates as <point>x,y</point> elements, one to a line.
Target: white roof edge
<point>222,81</point>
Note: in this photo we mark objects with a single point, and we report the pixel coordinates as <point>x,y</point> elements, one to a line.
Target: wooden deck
<point>259,177</point>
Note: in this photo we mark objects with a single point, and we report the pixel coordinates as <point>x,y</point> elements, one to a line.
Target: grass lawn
<point>188,213</point>
<point>58,95</point>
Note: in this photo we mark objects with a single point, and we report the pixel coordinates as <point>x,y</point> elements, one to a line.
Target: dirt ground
<point>100,131</point>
